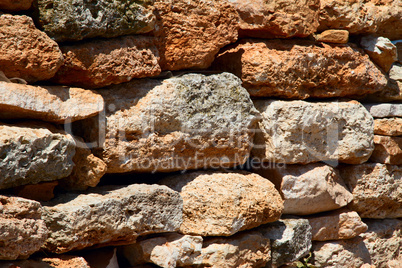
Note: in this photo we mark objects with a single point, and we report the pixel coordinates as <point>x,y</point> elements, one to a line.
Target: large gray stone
<point>110,215</point>
<point>78,19</point>
<point>32,152</point>
<point>381,110</point>
<point>300,132</point>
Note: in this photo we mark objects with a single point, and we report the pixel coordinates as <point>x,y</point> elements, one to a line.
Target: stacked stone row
<point>271,138</point>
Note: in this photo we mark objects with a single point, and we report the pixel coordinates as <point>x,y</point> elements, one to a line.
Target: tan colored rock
<point>387,150</point>
<point>22,232</point>
<point>40,192</point>
<point>186,122</point>
<point>27,53</point>
<point>394,263</point>
<point>33,152</point>
<point>66,261</point>
<point>395,73</point>
<point>393,92</point>
<point>110,215</point>
<point>376,189</point>
<point>191,32</point>
<point>15,5</point>
<point>388,126</point>
<point>333,36</point>
<point>380,50</point>
<point>300,69</point>
<point>55,104</point>
<point>300,132</point>
<point>278,18</point>
<point>308,189</point>
<point>360,17</point>
<point>100,63</point>
<point>224,203</point>
<point>339,224</point>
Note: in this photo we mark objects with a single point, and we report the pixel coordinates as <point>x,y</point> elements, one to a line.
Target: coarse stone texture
<point>32,152</point>
<point>15,5</point>
<point>333,36</point>
<point>88,169</point>
<point>42,191</point>
<point>387,150</point>
<point>300,69</point>
<point>290,239</point>
<point>191,32</point>
<point>168,251</point>
<point>300,132</point>
<point>335,225</point>
<point>395,73</point>
<point>100,63</point>
<point>61,261</point>
<point>110,215</point>
<point>308,189</point>
<point>376,189</point>
<point>388,126</point>
<point>22,232</point>
<point>27,53</point>
<point>380,50</point>
<point>56,104</point>
<point>186,122</point>
<point>75,20</point>
<point>382,17</point>
<point>278,18</point>
<point>224,203</point>
<point>381,110</point>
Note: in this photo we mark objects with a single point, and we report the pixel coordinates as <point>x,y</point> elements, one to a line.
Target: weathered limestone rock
<point>61,261</point>
<point>110,215</point>
<point>382,110</point>
<point>42,191</point>
<point>75,20</point>
<point>291,239</point>
<point>308,189</point>
<point>360,17</point>
<point>26,52</point>
<point>299,132</point>
<point>300,69</point>
<point>376,189</point>
<point>387,150</point>
<point>22,232</point>
<point>333,36</point>
<point>55,104</point>
<point>13,5</point>
<point>339,224</point>
<point>187,122</point>
<point>393,92</point>
<point>380,50</point>
<point>395,72</point>
<point>100,63</point>
<point>224,203</point>
<point>278,18</point>
<point>191,32</point>
<point>388,126</point>
<point>32,152</point>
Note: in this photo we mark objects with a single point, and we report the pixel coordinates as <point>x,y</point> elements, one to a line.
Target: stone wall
<point>200,133</point>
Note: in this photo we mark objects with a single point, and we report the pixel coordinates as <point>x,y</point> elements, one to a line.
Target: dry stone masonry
<point>200,133</point>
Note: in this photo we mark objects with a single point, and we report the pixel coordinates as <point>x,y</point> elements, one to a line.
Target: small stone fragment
<point>15,5</point>
<point>395,73</point>
<point>388,126</point>
<point>42,191</point>
<point>333,36</point>
<point>380,50</point>
<point>66,261</point>
<point>381,110</point>
<point>387,150</point>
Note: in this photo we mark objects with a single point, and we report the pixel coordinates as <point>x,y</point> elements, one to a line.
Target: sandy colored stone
<point>88,169</point>
<point>42,191</point>
<point>381,110</point>
<point>278,18</point>
<point>376,189</point>
<point>110,215</point>
<point>333,36</point>
<point>393,92</point>
<point>185,122</point>
<point>33,152</point>
<point>395,73</point>
<point>75,20</point>
<point>224,203</point>
<point>388,126</point>
<point>22,232</point>
<point>339,224</point>
<point>290,239</point>
<point>387,150</point>
<point>100,63</point>
<point>300,69</point>
<point>191,32</point>
<point>56,104</point>
<point>66,261</point>
<point>380,50</point>
<point>300,132</point>
<point>308,189</point>
<point>382,17</point>
<point>27,53</point>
